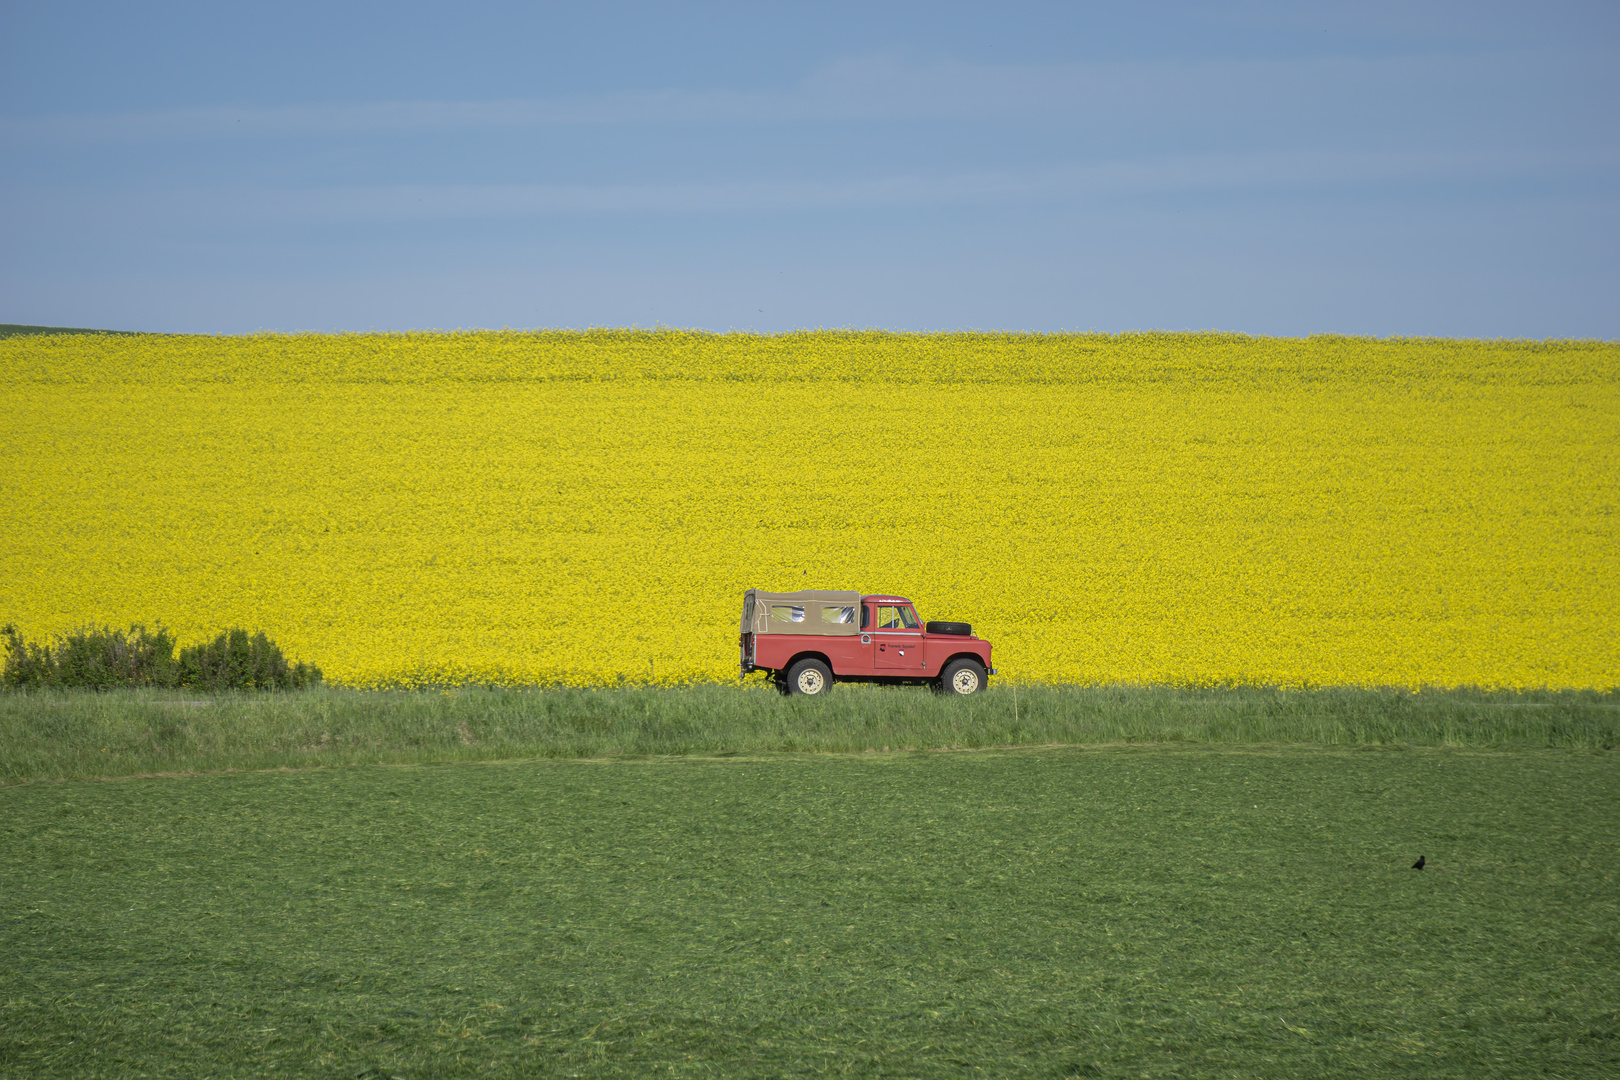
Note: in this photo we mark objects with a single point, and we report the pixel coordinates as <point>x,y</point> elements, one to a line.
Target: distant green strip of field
<point>1159,911</point>
<point>20,329</point>
<point>81,734</point>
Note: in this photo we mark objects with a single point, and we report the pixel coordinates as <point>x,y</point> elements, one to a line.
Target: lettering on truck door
<point>897,639</point>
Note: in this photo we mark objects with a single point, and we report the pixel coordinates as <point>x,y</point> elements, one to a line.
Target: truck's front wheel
<point>811,678</point>
<point>961,677</point>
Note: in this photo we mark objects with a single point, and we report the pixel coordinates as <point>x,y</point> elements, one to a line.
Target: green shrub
<point>27,664</point>
<point>95,657</point>
<point>235,661</point>
<point>100,658</point>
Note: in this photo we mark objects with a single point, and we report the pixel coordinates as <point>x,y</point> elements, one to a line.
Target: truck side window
<point>895,617</point>
<point>866,616</point>
<point>789,613</point>
<point>908,618</point>
<point>838,616</point>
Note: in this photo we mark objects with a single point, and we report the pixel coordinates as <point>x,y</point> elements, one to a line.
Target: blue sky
<point>1281,168</point>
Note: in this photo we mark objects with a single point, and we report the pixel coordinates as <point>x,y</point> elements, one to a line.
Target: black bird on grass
<point>1419,864</point>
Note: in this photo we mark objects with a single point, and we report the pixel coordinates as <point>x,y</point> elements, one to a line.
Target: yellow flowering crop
<point>589,507</point>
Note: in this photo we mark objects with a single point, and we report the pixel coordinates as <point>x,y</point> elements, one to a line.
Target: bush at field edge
<point>101,658</point>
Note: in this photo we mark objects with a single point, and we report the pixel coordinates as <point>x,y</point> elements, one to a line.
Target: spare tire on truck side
<point>955,629</point>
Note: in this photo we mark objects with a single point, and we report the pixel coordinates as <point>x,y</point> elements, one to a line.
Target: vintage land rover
<point>809,640</point>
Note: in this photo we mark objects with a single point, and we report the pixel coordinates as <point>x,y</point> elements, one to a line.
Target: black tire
<point>954,629</point>
<point>961,678</point>
<point>809,678</point>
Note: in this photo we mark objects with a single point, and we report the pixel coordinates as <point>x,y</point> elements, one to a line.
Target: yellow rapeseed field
<point>531,508</point>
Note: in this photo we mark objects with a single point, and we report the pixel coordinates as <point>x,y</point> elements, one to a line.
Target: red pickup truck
<point>809,640</point>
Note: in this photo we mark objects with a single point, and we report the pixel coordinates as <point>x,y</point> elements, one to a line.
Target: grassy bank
<point>1164,911</point>
<point>65,735</point>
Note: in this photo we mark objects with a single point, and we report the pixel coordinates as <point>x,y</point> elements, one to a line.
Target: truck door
<point>896,639</point>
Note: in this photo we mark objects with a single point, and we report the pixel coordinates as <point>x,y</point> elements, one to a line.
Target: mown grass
<point>1115,911</point>
<point>78,734</point>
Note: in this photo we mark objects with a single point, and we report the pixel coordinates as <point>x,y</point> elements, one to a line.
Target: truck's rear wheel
<point>809,678</point>
<point>961,678</point>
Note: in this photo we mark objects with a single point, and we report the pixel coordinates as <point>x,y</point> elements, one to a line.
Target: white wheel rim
<point>810,681</point>
<point>965,681</point>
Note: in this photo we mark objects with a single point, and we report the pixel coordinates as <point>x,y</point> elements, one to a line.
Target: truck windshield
<point>894,617</point>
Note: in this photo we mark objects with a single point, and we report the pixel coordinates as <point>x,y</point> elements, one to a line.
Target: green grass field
<point>1167,910</point>
<point>79,734</point>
